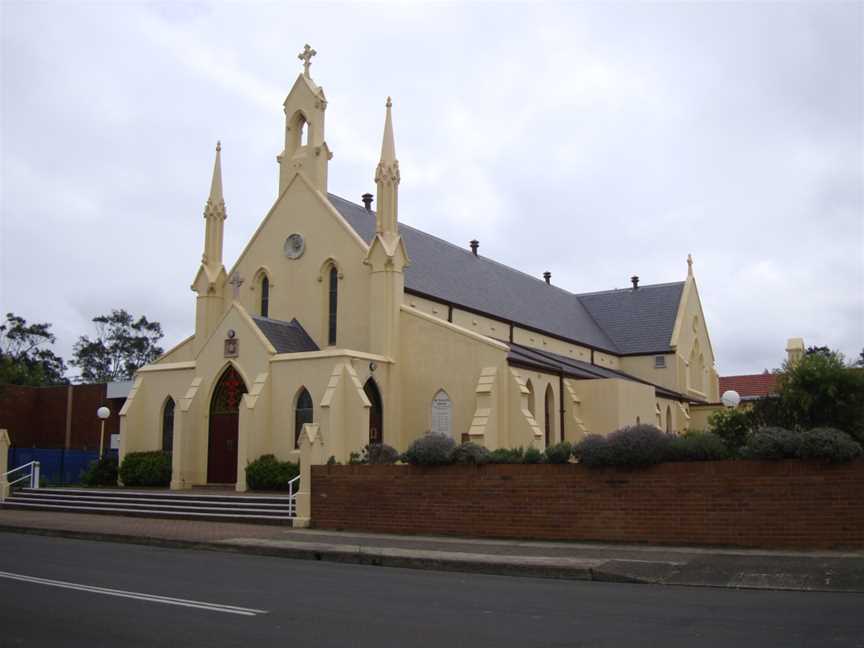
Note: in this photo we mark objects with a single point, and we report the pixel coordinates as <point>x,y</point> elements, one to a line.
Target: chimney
<point>367,201</point>
<point>635,280</point>
<point>474,245</point>
<point>548,277</point>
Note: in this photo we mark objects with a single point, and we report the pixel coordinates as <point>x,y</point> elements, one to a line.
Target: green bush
<point>381,453</point>
<point>829,445</point>
<point>430,450</point>
<point>268,473</point>
<point>593,451</point>
<point>732,426</point>
<point>532,456</point>
<point>146,469</point>
<point>697,446</point>
<point>559,453</point>
<point>772,443</point>
<point>471,453</point>
<point>507,456</point>
<point>102,472</point>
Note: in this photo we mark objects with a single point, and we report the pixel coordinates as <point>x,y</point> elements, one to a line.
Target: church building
<point>338,326</point>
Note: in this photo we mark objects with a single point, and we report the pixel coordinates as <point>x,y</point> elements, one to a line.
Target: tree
<point>122,345</point>
<point>821,391</point>
<point>860,361</point>
<point>24,360</point>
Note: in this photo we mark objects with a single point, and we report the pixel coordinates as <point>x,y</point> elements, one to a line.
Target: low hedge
<point>698,446</point>
<point>102,472</point>
<point>268,473</point>
<point>772,443</point>
<point>146,469</point>
<point>558,453</point>
<point>829,445</point>
<point>471,453</point>
<point>431,449</point>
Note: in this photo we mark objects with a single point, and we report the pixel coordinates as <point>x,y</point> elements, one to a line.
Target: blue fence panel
<point>57,466</point>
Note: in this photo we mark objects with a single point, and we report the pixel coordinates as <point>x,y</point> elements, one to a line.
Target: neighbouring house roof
<point>286,337</point>
<point>578,369</point>
<point>750,387</point>
<point>620,321</point>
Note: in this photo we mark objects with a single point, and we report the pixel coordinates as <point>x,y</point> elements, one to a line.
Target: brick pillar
<point>4,464</point>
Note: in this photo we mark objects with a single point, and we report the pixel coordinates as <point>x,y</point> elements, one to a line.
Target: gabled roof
<point>286,337</point>
<point>578,369</point>
<point>638,320</point>
<point>751,386</point>
<point>608,321</point>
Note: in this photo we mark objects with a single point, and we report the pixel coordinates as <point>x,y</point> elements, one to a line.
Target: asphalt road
<point>65,593</point>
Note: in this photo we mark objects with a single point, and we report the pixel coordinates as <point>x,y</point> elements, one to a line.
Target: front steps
<point>158,504</point>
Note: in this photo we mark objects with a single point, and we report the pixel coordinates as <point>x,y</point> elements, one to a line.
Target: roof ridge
<point>621,290</point>
<point>464,251</point>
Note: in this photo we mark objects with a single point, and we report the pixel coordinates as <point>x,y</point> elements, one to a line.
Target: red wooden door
<point>222,453</point>
<point>224,428</point>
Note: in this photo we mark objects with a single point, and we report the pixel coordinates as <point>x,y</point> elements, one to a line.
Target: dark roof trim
<point>469,309</point>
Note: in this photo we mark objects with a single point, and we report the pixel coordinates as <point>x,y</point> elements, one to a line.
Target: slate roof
<point>621,321</point>
<point>286,337</point>
<point>578,369</point>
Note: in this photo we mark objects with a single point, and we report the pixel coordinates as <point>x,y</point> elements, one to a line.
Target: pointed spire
<point>216,184</point>
<point>387,178</point>
<point>388,145</point>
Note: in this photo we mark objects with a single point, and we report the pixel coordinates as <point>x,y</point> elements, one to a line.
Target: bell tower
<point>305,150</point>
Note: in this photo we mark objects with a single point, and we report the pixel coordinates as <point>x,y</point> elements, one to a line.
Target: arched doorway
<point>224,426</point>
<point>548,414</point>
<point>376,412</point>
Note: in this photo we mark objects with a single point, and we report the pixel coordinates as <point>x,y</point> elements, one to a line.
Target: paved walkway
<point>713,567</point>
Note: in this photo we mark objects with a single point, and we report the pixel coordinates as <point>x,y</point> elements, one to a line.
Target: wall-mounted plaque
<point>442,414</point>
<point>232,347</point>
<point>294,246</point>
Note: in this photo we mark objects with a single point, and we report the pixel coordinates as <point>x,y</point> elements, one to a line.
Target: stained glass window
<point>168,426</point>
<point>302,414</point>
<point>265,297</point>
<point>229,391</point>
<point>334,289</point>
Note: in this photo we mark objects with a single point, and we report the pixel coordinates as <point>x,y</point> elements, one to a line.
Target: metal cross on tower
<point>306,56</point>
<point>236,281</point>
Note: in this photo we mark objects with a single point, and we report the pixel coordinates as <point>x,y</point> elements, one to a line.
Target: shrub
<point>698,446</point>
<point>356,459</point>
<point>380,453</point>
<point>146,469</point>
<point>830,445</point>
<point>638,445</point>
<point>268,473</point>
<point>471,453</point>
<point>102,472</point>
<point>532,456</point>
<point>559,453</point>
<point>732,426</point>
<point>507,456</point>
<point>593,451</point>
<point>772,443</point>
<point>430,450</point>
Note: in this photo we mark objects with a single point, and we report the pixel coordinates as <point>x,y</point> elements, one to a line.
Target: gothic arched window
<point>168,426</point>
<point>334,301</point>
<point>265,296</point>
<point>303,412</point>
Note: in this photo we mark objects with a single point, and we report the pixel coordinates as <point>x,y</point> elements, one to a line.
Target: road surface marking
<point>153,598</point>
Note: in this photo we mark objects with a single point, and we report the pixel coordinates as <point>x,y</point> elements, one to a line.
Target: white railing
<point>33,476</point>
<point>292,496</point>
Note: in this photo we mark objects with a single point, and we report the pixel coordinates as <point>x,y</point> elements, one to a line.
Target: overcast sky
<point>595,141</point>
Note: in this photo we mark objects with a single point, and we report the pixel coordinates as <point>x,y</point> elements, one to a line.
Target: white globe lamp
<point>730,398</point>
<point>103,413</point>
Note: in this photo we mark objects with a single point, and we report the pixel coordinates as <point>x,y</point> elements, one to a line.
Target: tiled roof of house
<point>619,321</point>
<point>749,387</point>
<point>286,337</point>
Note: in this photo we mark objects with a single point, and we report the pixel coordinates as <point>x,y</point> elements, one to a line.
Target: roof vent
<point>635,280</point>
<point>474,245</point>
<point>548,277</point>
<point>367,201</point>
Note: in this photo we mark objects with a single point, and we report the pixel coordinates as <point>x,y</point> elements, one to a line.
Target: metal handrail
<point>33,476</point>
<point>292,497</point>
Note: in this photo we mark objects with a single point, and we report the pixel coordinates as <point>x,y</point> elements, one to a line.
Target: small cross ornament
<point>236,281</point>
<point>306,56</point>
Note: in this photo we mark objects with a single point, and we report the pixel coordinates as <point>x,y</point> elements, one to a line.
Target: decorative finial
<point>389,102</point>
<point>689,265</point>
<point>306,56</point>
<point>218,145</point>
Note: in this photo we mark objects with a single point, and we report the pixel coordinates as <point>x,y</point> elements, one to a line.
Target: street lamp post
<point>103,413</point>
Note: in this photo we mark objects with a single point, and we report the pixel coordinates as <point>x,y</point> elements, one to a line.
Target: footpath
<point>833,571</point>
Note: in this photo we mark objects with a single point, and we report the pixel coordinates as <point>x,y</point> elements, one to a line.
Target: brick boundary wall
<point>783,504</point>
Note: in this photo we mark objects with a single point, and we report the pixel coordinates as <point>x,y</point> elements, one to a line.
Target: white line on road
<point>153,598</point>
